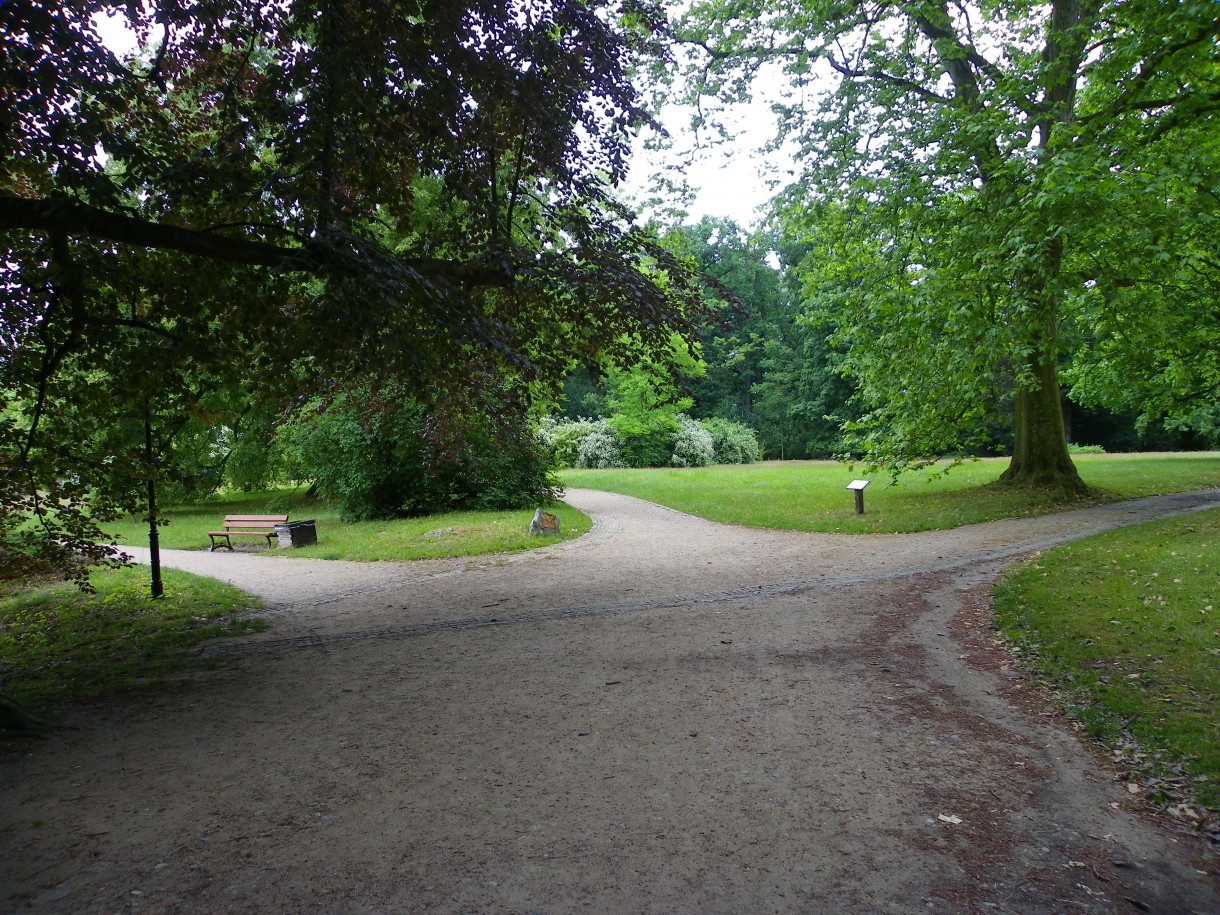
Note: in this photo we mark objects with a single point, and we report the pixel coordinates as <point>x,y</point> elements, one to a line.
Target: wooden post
<point>857,488</point>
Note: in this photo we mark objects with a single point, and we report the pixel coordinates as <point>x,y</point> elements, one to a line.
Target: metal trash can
<point>297,533</point>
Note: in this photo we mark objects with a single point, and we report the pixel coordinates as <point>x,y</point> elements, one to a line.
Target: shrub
<point>564,438</point>
<point>380,454</point>
<point>692,444</point>
<point>647,438</point>
<point>482,455</point>
<point>1085,449</point>
<point>652,448</point>
<point>733,442</point>
<point>366,464</point>
<point>600,448</point>
<point>656,440</point>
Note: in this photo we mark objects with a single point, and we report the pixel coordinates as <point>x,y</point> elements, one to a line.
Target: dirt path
<point>666,715</point>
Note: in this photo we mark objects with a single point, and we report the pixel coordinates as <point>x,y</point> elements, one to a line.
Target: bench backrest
<point>263,521</point>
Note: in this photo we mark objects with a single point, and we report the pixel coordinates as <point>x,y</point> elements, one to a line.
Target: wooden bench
<point>245,526</point>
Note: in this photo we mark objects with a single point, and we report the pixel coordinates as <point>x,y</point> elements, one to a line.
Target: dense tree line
<point>766,359</point>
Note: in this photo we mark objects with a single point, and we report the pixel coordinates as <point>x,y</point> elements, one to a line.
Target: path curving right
<point>666,715</point>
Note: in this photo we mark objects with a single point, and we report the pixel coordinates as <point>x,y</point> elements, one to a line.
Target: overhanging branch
<point>80,220</point>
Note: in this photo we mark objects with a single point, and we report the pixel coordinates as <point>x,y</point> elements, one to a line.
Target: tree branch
<point>135,323</point>
<point>875,73</point>
<point>77,219</point>
<point>935,32</point>
<point>68,292</point>
<point>72,218</point>
<point>965,81</point>
<point>1149,69</point>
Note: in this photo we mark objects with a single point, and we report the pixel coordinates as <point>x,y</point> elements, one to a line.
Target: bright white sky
<point>727,181</point>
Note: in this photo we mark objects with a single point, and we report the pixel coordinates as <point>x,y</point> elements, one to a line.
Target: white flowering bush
<point>600,448</point>
<point>733,442</point>
<point>693,446</point>
<point>565,436</point>
<point>596,443</point>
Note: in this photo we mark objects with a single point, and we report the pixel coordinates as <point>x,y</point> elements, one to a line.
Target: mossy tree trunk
<point>1040,455</point>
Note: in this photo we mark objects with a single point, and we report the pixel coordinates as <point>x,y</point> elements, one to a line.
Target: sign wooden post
<point>857,486</point>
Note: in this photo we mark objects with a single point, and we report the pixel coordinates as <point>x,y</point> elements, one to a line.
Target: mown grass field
<point>811,495</point>
<point>1126,625</point>
<point>57,642</point>
<point>400,540</point>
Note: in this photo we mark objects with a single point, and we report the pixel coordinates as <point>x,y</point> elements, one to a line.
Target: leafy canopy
<point>987,191</point>
<point>284,195</point>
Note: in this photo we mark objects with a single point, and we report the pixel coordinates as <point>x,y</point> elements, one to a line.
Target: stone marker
<point>544,523</point>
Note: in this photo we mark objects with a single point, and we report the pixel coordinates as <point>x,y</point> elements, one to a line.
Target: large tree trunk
<point>1040,457</point>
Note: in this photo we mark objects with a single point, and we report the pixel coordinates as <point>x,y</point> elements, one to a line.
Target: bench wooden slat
<point>262,526</point>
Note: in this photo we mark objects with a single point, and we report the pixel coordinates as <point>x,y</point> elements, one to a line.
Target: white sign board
<point>857,484</point>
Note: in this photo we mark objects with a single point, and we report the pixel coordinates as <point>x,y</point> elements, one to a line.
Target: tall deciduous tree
<point>766,366</point>
<point>975,177</point>
<point>416,189</point>
<point>732,343</point>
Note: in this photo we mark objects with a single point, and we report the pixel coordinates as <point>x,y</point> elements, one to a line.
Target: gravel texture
<point>665,715</point>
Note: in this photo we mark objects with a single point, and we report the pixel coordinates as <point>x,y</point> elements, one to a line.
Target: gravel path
<point>666,715</point>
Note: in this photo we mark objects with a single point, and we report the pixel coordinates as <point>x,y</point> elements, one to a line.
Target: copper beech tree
<point>271,196</point>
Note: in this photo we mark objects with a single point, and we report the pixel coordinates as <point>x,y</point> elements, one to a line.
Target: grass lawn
<point>810,495</point>
<point>431,537</point>
<point>56,642</point>
<point>1127,626</point>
